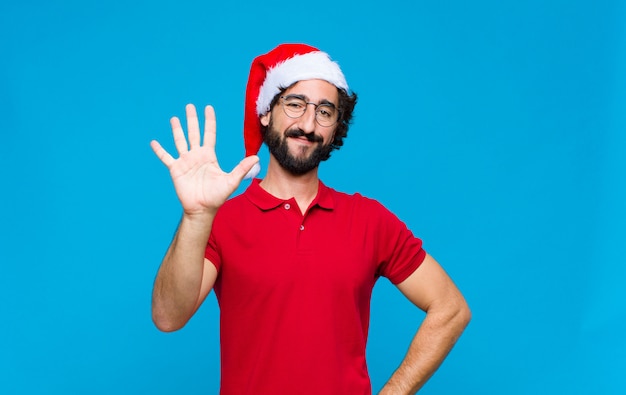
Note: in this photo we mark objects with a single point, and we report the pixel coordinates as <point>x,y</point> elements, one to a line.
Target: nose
<point>307,121</point>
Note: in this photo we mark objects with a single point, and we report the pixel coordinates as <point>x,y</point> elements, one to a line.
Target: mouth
<point>300,136</point>
<point>302,140</point>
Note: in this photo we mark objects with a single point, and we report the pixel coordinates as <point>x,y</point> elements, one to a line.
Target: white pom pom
<point>253,172</point>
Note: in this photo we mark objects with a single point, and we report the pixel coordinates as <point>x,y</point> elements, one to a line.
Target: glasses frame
<point>306,106</point>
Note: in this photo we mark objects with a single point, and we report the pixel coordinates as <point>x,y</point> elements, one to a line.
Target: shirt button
<point>287,206</point>
<point>301,227</point>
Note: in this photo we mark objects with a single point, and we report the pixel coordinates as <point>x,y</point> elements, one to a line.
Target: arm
<point>185,276</point>
<point>447,315</point>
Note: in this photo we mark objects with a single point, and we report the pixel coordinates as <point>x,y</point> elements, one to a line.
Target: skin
<point>185,277</point>
<point>280,182</point>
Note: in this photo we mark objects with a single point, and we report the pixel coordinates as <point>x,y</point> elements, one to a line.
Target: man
<point>293,262</point>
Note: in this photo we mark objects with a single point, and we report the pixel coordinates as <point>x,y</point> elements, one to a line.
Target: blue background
<point>495,130</point>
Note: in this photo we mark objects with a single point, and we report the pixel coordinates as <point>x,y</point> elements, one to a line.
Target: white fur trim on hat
<point>309,66</point>
<point>253,172</point>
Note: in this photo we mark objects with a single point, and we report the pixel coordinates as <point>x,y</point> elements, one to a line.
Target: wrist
<point>199,215</point>
<point>199,221</point>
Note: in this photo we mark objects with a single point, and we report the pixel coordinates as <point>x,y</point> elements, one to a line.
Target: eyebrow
<point>306,99</point>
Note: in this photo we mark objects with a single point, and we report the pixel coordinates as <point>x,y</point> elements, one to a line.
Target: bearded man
<point>292,261</point>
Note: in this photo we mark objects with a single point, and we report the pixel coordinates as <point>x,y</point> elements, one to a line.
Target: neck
<point>284,185</point>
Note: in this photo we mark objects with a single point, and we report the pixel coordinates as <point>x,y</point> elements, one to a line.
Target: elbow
<point>466,315</point>
<point>453,313</point>
<point>164,326</point>
<point>463,314</point>
<point>166,323</point>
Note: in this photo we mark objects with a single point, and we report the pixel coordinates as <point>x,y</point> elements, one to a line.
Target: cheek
<point>282,124</point>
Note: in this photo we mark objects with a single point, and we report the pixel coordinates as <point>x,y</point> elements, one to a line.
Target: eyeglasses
<point>294,106</point>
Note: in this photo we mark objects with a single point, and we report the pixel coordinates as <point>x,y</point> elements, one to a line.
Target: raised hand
<point>201,185</point>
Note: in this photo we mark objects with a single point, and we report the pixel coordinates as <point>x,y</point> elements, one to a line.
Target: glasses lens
<point>326,114</point>
<point>293,106</point>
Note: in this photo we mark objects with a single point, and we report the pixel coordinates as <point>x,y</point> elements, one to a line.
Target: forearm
<point>179,279</point>
<point>430,346</point>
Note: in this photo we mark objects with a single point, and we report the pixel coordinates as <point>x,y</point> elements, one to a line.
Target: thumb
<point>248,168</point>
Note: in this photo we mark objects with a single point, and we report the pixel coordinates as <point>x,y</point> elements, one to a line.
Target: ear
<point>265,118</point>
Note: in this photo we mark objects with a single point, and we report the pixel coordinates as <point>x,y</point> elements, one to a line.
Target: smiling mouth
<point>303,140</point>
<point>300,135</point>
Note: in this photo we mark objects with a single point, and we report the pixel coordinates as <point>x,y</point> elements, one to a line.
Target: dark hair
<point>346,107</point>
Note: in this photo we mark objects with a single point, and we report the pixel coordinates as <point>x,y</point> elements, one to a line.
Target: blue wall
<point>495,130</point>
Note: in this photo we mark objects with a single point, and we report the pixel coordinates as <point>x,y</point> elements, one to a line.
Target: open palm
<point>201,185</point>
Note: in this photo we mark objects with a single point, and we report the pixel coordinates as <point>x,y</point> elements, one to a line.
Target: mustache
<point>312,137</point>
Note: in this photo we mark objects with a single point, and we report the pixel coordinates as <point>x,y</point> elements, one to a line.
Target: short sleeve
<point>399,252</point>
<point>211,251</point>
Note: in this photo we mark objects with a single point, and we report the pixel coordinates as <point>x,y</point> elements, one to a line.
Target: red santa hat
<point>277,70</point>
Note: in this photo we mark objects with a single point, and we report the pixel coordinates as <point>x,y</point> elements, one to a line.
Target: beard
<point>296,165</point>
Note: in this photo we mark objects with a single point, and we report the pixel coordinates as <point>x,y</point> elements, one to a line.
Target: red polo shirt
<point>294,290</point>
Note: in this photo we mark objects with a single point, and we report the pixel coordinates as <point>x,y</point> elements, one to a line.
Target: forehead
<point>315,91</point>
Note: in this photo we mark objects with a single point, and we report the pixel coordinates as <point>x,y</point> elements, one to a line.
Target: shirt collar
<point>266,201</point>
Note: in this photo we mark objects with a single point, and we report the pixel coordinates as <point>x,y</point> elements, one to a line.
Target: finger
<point>179,136</point>
<point>193,127</point>
<point>161,153</point>
<point>240,171</point>
<point>210,126</point>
